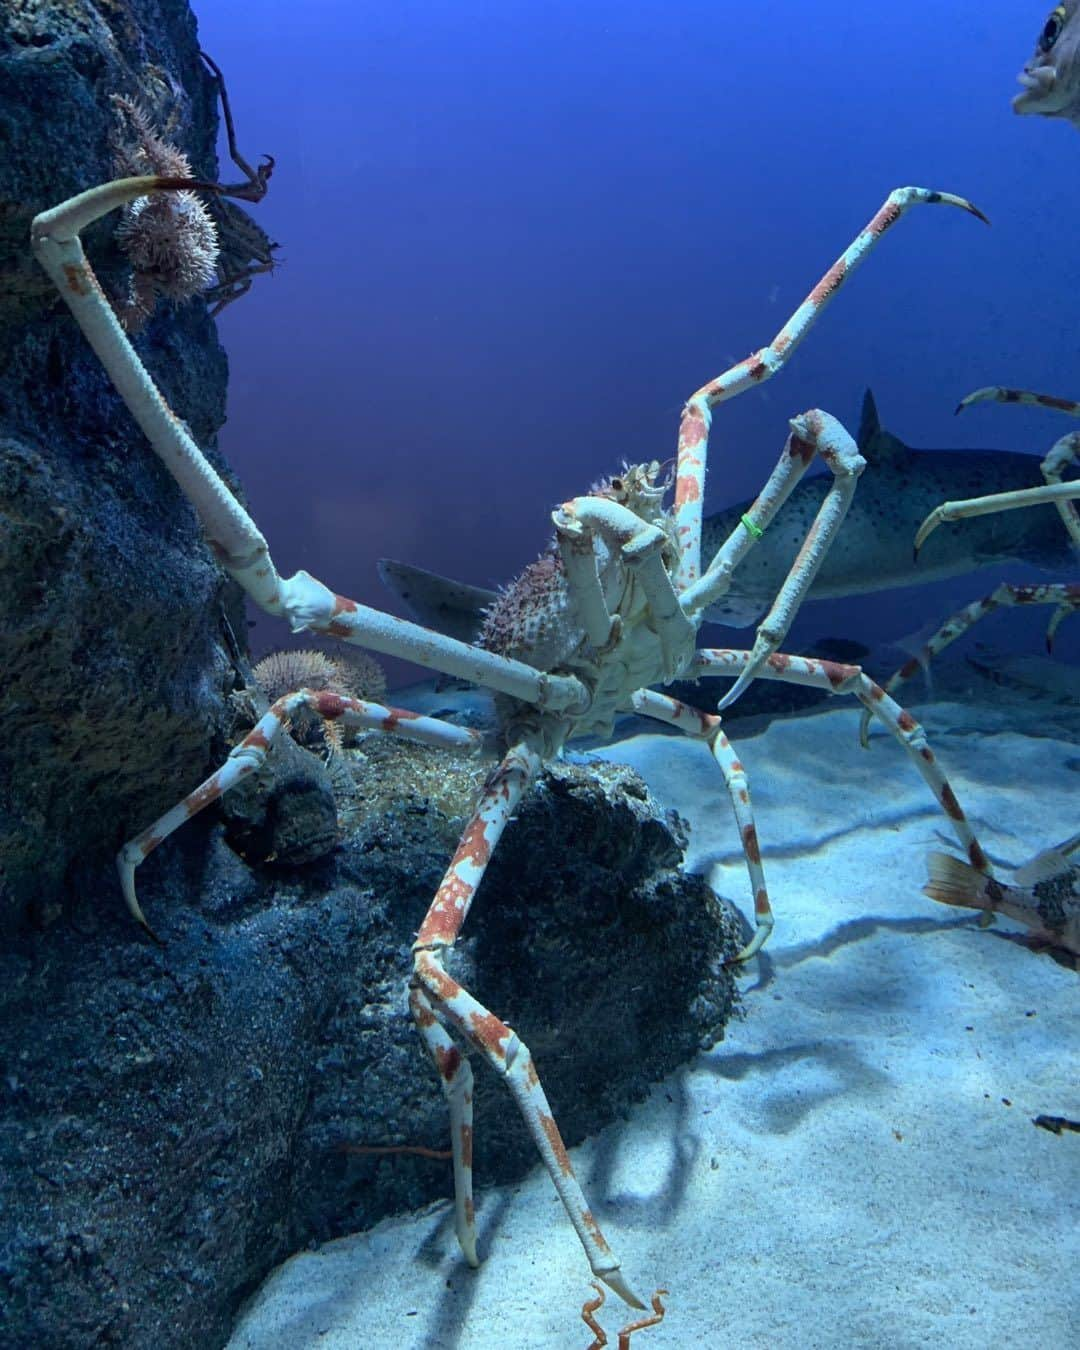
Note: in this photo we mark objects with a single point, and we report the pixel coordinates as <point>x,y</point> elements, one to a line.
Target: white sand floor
<point>855,1165</point>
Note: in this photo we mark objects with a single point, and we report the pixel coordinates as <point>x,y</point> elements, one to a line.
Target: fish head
<point>1051,78</point>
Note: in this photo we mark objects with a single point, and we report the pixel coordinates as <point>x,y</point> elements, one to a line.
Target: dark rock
<point>176,1121</point>
<point>111,609</point>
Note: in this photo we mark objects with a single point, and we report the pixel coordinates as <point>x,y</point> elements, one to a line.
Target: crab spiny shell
<point>532,619</point>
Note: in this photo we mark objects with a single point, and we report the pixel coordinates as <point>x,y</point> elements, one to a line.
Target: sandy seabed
<point>855,1165</point>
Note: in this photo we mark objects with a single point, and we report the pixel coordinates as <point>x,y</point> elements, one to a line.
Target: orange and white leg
<point>757,368</point>
<point>812,433</point>
<point>439,1001</point>
<point>1065,596</point>
<point>999,393</point>
<point>303,600</point>
<point>707,727</point>
<point>836,678</point>
<point>351,713</point>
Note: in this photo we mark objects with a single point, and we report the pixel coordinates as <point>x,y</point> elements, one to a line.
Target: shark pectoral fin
<point>451,607</point>
<point>874,442</point>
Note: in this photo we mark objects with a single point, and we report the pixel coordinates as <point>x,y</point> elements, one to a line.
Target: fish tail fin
<point>954,882</point>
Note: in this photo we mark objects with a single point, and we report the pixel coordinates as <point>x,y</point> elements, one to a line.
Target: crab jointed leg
<point>761,365</point>
<point>353,713</point>
<point>836,678</point>
<point>303,600</point>
<point>1066,451</point>
<point>812,433</point>
<point>1064,596</point>
<point>436,995</point>
<point>707,726</point>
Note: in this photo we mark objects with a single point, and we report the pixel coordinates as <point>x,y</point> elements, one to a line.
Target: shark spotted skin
<point>871,553</point>
<point>1051,78</point>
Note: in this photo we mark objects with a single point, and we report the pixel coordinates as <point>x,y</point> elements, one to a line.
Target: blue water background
<point>515,237</point>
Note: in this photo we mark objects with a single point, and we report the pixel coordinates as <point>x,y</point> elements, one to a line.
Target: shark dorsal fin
<point>451,607</point>
<point>874,441</point>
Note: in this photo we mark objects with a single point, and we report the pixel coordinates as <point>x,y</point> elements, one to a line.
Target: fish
<point>872,552</point>
<point>1051,78</point>
<point>1044,894</point>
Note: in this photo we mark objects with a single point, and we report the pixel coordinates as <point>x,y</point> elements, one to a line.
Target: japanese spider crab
<point>612,609</point>
<point>1064,596</point>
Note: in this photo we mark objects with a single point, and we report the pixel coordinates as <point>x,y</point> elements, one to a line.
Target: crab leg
<point>641,546</point>
<point>836,678</point>
<point>1060,494</point>
<point>1066,596</point>
<point>762,364</point>
<point>438,998</point>
<point>706,726</point>
<point>1064,452</point>
<point>813,432</point>
<point>999,393</point>
<point>239,546</point>
<point>251,752</point>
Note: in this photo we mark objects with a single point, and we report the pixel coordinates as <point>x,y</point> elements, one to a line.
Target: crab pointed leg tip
<point>733,693</point>
<point>615,1282</point>
<point>158,941</point>
<point>970,206</point>
<point>468,1250</point>
<point>141,919</point>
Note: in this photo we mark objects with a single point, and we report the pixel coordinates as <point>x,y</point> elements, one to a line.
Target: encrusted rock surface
<point>111,631</point>
<point>178,1120</point>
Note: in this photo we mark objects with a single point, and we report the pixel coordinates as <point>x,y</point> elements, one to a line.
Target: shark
<point>872,552</point>
<point>1051,78</point>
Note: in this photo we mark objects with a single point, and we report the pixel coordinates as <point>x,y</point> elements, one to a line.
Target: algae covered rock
<point>176,1121</point>
<point>112,638</point>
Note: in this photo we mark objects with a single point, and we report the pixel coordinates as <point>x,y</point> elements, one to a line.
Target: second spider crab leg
<point>1000,393</point>
<point>239,546</point>
<point>812,433</point>
<point>1064,452</point>
<point>707,727</point>
<point>1060,494</point>
<point>763,364</point>
<point>250,753</point>
<point>437,997</point>
<point>1064,595</point>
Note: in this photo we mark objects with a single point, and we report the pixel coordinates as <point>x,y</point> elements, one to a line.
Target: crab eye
<point>616,485</point>
<point>1054,24</point>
